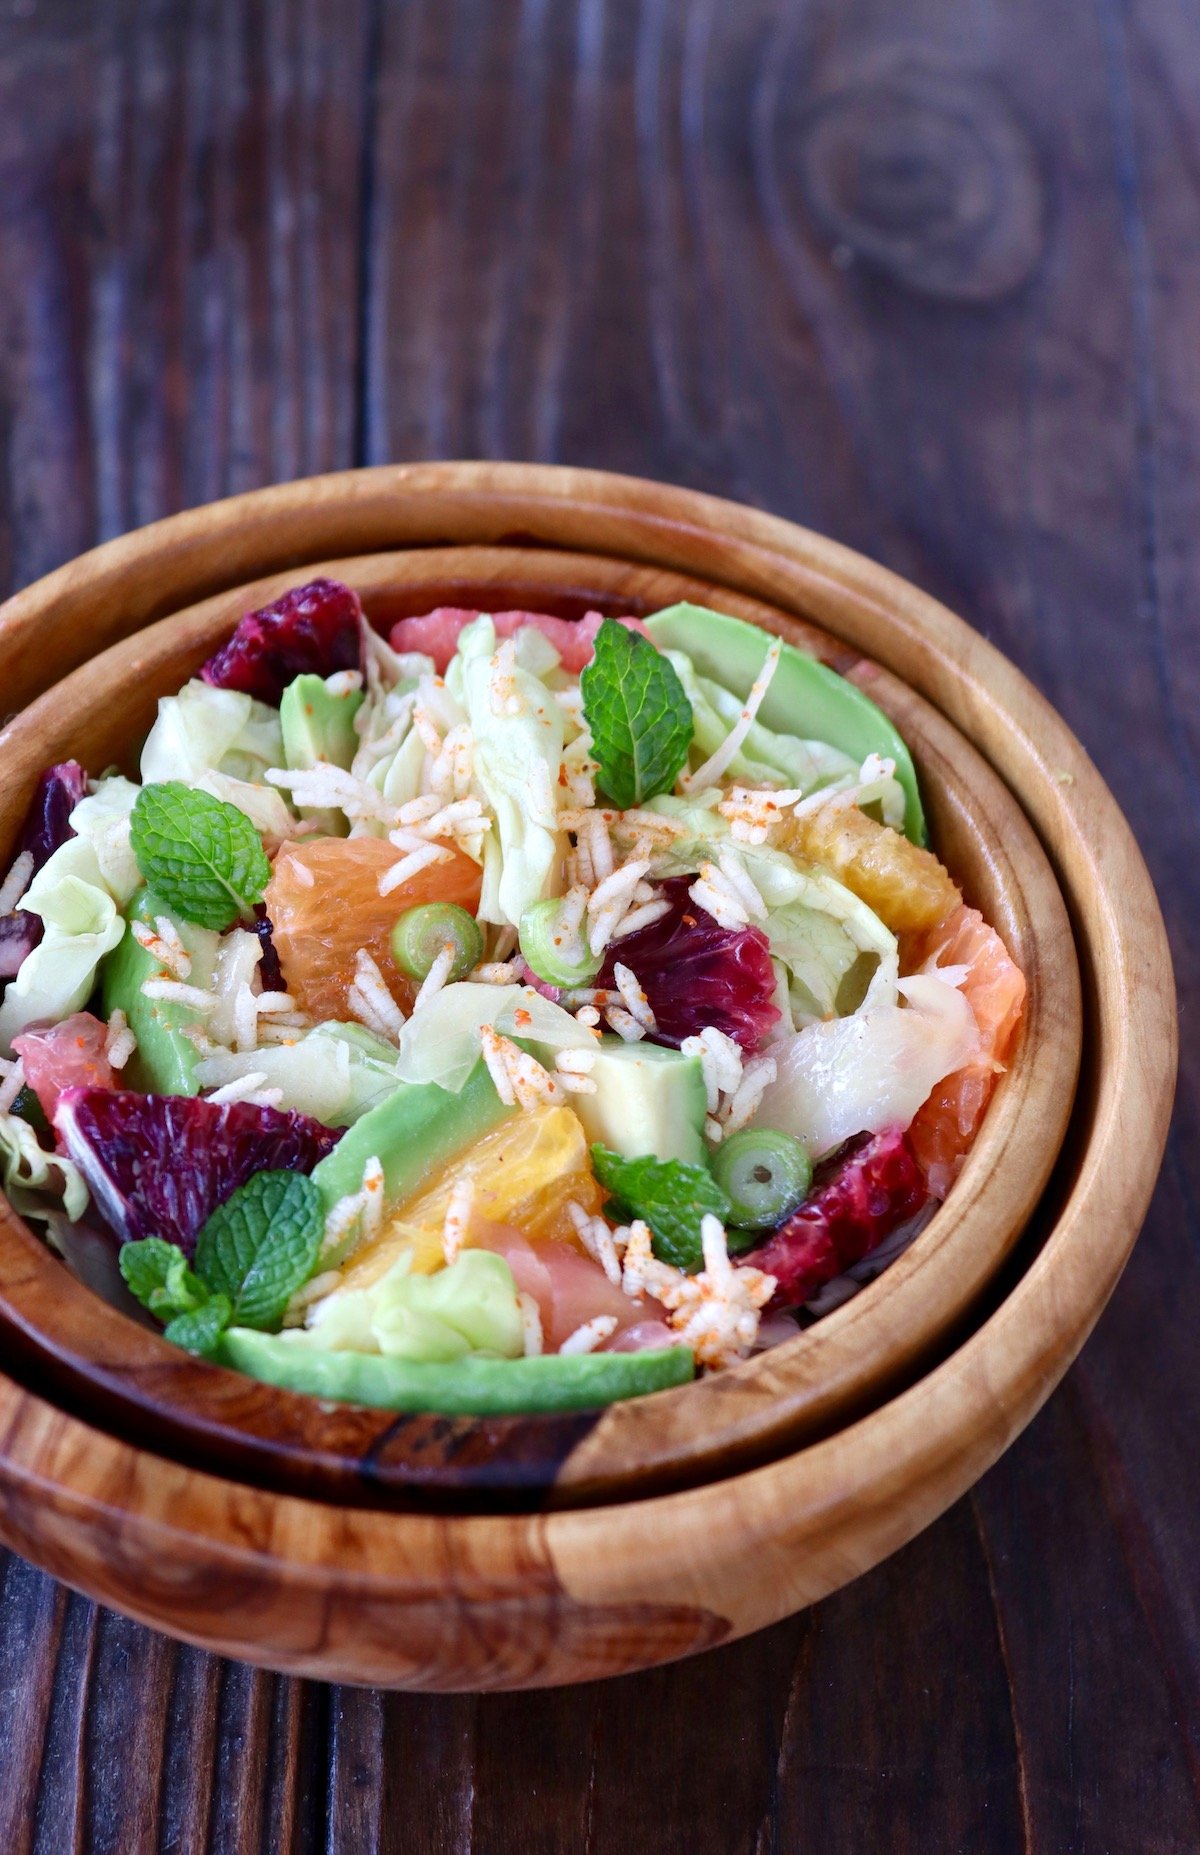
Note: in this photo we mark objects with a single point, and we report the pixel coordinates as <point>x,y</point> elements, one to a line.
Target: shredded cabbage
<point>868,1072</point>
<point>26,1169</point>
<point>440,1042</point>
<point>102,820</point>
<point>517,758</point>
<point>82,923</point>
<point>207,730</point>
<point>335,1072</point>
<point>767,758</point>
<point>470,1307</point>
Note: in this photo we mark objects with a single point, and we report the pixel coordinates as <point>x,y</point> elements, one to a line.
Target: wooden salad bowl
<point>97,1360</point>
<point>91,1490</point>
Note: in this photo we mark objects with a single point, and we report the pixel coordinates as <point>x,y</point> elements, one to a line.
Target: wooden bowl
<point>467,1601</point>
<point>99,1362</point>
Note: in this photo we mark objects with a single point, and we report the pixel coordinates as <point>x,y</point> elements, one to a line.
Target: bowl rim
<point>93,1357</point>
<point>467,1602</point>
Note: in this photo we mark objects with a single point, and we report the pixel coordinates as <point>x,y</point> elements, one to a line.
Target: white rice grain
<point>16,882</point>
<point>587,1338</point>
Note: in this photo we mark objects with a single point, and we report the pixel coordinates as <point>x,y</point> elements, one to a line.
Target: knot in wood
<point>928,175</point>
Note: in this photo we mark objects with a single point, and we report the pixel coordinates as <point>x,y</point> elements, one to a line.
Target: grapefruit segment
<point>994,986</point>
<point>437,633</point>
<point>323,903</point>
<point>67,1055</point>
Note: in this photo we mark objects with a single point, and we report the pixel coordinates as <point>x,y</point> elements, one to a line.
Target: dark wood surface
<point>921,273</point>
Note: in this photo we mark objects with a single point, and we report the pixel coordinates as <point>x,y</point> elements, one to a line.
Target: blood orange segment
<point>945,1125</point>
<point>859,1197</point>
<point>311,628</point>
<point>159,1165</point>
<point>696,973</point>
<point>906,886</point>
<point>323,903</point>
<point>68,1055</point>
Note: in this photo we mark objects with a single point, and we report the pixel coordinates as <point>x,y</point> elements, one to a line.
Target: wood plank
<point>594,236</point>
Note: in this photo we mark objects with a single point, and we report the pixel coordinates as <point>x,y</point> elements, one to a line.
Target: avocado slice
<point>413,1133</point>
<point>806,698</point>
<point>465,1387</point>
<point>318,726</point>
<point>648,1100</point>
<point>164,1062</point>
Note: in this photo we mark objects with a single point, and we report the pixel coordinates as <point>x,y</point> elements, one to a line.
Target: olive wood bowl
<point>338,1591</point>
<point>101,1363</point>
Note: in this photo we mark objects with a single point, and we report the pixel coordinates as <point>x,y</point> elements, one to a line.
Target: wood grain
<point>659,298</point>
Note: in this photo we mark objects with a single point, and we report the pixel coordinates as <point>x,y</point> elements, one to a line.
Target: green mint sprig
<point>261,1244</point>
<point>640,719</point>
<point>252,1254</point>
<point>202,856</point>
<point>671,1195</point>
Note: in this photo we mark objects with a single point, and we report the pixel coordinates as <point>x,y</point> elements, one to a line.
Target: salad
<point>510,1014</point>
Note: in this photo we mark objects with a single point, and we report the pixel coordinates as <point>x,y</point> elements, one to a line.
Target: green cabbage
<point>470,1307</point>
<point>27,1169</point>
<point>517,759</point>
<point>767,758</point>
<point>440,1042</point>
<point>817,927</point>
<point>206,730</point>
<point>82,923</point>
<point>102,820</point>
<point>335,1072</point>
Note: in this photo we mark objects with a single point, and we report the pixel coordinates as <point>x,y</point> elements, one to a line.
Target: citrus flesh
<point>906,886</point>
<point>523,1174</point>
<point>324,905</point>
<point>994,985</point>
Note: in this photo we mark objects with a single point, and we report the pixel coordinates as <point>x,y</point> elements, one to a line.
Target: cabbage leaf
<point>470,1307</point>
<point>82,923</point>
<point>516,764</point>
<point>440,1042</point>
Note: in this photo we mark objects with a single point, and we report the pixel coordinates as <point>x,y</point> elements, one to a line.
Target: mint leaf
<point>200,1331</point>
<point>669,1194</point>
<point>157,1274</point>
<point>261,1244</point>
<point>204,857</point>
<point>640,719</point>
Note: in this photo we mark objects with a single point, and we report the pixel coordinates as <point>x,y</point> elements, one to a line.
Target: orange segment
<point>906,886</point>
<point>523,1174</point>
<point>324,904</point>
<point>944,1127</point>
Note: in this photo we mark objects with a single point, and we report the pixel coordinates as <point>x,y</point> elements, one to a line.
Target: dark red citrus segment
<point>314,628</point>
<point>159,1165</point>
<point>697,973</point>
<point>47,825</point>
<point>860,1196</point>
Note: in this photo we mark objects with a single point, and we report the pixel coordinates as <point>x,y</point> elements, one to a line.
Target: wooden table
<point>919,273</point>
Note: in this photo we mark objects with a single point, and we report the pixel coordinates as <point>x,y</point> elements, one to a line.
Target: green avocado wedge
<point>473,1387</point>
<point>164,1062</point>
<point>805,698</point>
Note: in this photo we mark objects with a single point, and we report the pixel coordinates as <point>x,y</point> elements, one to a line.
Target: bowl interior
<point>93,1357</point>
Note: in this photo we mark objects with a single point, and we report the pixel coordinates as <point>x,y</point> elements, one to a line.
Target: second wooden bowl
<point>336,1591</point>
<point>99,1361</point>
